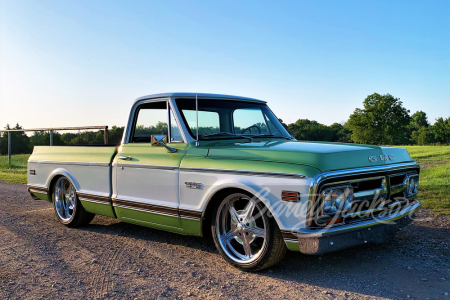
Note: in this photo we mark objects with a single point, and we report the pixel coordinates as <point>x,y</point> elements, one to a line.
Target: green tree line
<point>383,120</point>
<point>22,143</point>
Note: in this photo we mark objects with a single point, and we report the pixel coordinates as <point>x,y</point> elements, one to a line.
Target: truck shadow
<point>389,270</point>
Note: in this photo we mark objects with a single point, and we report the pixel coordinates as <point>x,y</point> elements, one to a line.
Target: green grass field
<point>17,173</point>
<point>434,180</point>
<point>434,186</point>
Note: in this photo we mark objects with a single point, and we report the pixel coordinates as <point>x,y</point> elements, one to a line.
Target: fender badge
<point>372,158</point>
<point>194,185</point>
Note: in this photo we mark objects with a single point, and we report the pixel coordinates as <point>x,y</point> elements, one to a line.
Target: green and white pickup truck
<point>224,166</point>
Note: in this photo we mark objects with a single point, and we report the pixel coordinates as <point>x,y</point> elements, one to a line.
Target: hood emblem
<point>391,157</point>
<point>383,157</point>
<point>372,158</point>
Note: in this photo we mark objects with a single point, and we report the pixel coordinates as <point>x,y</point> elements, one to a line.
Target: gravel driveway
<point>42,259</point>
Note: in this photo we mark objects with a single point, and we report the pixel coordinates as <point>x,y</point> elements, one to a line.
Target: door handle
<point>124,157</point>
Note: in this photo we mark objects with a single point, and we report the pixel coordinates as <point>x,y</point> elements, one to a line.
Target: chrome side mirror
<point>160,140</point>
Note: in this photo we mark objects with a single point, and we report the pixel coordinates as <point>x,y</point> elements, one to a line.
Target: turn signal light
<point>290,196</point>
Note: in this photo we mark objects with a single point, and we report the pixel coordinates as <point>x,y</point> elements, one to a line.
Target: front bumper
<point>316,241</point>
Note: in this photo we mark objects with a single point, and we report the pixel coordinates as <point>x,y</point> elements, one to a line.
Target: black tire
<point>67,206</point>
<point>273,248</point>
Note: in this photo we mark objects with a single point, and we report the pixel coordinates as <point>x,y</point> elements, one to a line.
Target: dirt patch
<point>42,259</point>
<point>433,164</point>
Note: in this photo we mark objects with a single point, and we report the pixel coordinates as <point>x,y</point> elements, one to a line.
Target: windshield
<point>229,119</point>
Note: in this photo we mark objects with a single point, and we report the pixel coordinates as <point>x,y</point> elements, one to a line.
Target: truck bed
<point>88,167</point>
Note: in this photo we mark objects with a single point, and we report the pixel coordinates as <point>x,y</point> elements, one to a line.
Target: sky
<point>82,63</point>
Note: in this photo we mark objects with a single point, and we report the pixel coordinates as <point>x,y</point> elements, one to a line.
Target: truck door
<point>146,176</point>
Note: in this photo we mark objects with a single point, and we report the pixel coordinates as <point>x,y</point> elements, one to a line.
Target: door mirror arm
<point>158,140</point>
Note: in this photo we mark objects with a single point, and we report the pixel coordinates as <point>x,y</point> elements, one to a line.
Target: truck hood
<point>323,156</point>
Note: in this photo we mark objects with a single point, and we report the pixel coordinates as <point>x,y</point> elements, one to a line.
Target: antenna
<point>196,114</point>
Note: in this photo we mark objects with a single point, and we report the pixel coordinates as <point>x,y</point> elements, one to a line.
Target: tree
<point>424,136</point>
<point>341,133</point>
<point>41,138</point>
<point>419,119</point>
<point>383,120</point>
<point>20,142</point>
<point>304,129</point>
<point>115,135</point>
<point>441,130</point>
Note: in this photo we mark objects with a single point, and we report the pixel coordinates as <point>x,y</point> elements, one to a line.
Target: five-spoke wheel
<point>65,199</point>
<point>244,234</point>
<point>68,208</point>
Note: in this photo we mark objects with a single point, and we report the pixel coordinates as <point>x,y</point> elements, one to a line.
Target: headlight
<point>337,199</point>
<point>410,185</point>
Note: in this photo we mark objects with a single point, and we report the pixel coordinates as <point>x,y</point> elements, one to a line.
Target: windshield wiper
<point>271,135</point>
<point>227,134</point>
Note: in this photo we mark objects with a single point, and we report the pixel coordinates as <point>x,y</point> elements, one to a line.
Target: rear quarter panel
<point>87,167</point>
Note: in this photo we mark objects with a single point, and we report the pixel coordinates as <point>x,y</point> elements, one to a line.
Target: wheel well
<point>51,187</point>
<point>215,200</point>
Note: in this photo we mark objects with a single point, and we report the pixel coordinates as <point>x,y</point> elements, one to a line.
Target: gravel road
<point>42,259</point>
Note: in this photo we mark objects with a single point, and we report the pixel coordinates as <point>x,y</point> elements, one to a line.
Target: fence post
<point>106,135</point>
<point>9,147</point>
<point>51,137</point>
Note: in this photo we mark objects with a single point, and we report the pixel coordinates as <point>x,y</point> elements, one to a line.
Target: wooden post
<point>9,147</point>
<point>51,137</point>
<point>106,135</point>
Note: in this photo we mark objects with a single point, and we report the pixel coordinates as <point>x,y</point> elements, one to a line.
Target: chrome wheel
<point>65,199</point>
<point>241,229</point>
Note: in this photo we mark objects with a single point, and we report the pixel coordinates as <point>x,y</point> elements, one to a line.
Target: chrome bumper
<point>316,241</point>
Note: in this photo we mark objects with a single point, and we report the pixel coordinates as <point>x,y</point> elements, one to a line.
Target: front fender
<point>288,215</point>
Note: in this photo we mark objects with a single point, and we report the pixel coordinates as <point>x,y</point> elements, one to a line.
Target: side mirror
<point>160,140</point>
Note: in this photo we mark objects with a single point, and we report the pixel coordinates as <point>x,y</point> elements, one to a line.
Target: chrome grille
<point>372,195</point>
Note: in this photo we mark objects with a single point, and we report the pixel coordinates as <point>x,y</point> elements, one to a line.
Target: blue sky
<point>78,63</point>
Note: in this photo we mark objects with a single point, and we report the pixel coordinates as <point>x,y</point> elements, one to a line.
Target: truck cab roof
<point>199,96</point>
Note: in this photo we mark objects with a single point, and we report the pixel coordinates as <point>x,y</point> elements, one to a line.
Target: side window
<point>175,134</point>
<point>208,122</point>
<point>151,120</point>
<point>272,128</point>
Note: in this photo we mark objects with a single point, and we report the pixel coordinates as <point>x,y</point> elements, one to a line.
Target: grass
<point>434,184</point>
<point>17,173</point>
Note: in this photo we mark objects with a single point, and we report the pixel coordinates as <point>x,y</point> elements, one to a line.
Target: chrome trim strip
<point>142,166</point>
<point>147,207</point>
<point>33,196</point>
<point>37,191</point>
<point>338,229</point>
<point>286,240</point>
<point>37,188</point>
<point>190,218</point>
<point>214,171</point>
<point>190,214</point>
<point>94,201</point>
<point>146,210</point>
<point>91,164</point>
<point>239,172</point>
<point>313,189</point>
